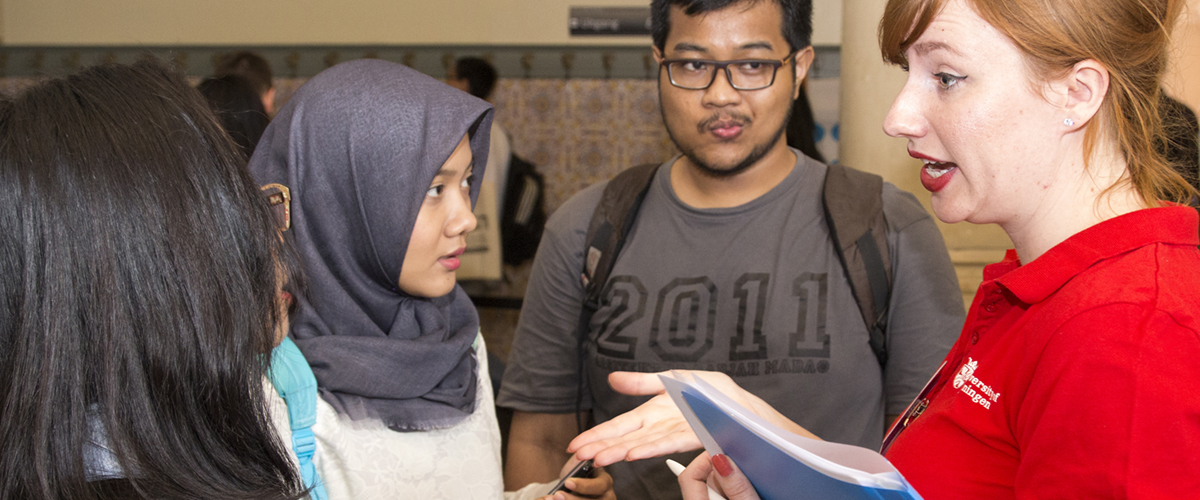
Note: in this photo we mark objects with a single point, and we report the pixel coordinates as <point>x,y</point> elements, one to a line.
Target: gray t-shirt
<point>755,291</point>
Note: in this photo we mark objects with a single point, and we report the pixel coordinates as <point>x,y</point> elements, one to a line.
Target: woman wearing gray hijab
<point>381,163</point>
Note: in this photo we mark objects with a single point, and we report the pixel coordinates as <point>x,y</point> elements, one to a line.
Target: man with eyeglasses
<point>729,265</point>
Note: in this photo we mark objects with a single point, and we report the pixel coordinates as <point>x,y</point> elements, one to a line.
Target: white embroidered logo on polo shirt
<point>979,392</point>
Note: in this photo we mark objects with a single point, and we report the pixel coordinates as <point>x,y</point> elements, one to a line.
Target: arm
<point>541,380</point>
<point>925,312</point>
<point>537,444</point>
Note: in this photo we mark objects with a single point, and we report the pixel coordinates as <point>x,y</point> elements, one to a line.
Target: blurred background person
<point>478,77</point>
<point>255,69</point>
<point>239,107</point>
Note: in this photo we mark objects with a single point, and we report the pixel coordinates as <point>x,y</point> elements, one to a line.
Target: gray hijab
<point>358,146</point>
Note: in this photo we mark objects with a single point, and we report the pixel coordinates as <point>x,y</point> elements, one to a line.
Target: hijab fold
<point>358,146</point>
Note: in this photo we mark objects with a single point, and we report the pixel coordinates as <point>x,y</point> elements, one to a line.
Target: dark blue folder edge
<point>775,474</point>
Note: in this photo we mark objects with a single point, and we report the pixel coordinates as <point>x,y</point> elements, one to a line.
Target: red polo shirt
<point>1077,375</point>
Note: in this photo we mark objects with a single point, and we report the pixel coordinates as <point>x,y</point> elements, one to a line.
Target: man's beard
<point>757,153</point>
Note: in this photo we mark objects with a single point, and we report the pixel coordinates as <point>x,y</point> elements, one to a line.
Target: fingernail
<point>721,463</point>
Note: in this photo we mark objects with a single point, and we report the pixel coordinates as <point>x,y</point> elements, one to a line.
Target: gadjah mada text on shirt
<point>733,368</point>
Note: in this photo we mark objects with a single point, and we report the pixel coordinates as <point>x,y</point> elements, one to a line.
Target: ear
<point>1083,88</point>
<point>803,61</point>
<point>658,55</point>
<point>269,101</point>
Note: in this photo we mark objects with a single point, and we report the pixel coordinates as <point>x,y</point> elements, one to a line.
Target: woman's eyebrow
<point>924,48</point>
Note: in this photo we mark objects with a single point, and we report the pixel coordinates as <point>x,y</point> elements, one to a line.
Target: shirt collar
<point>1033,282</point>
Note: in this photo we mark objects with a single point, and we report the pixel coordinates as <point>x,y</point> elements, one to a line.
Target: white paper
<point>848,463</point>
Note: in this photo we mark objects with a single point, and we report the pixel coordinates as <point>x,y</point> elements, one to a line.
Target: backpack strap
<point>853,202</point>
<point>293,379</point>
<point>610,225</point>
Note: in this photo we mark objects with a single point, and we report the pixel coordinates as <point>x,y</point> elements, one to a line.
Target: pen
<point>678,469</point>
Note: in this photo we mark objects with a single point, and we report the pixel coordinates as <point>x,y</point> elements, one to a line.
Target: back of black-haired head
<point>248,65</point>
<point>797,18</point>
<point>479,74</point>
<point>801,127</point>
<point>239,107</point>
<point>138,275</point>
<point>1181,142</point>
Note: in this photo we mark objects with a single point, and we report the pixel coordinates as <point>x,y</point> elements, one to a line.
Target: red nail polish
<point>721,463</point>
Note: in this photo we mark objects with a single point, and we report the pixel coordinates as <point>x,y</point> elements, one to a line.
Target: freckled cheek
<point>985,131</point>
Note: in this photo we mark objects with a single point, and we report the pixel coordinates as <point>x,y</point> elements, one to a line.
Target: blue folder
<point>775,474</point>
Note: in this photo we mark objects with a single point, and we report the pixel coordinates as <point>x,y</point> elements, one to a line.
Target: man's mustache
<point>722,120</point>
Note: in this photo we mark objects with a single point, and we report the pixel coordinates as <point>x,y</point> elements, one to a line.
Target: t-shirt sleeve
<point>1111,410</point>
<point>925,314</point>
<point>543,367</point>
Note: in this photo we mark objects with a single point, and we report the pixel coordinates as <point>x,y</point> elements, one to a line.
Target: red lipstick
<point>936,174</point>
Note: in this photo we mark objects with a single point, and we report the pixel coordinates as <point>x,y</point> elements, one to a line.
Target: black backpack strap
<point>610,224</point>
<point>853,202</point>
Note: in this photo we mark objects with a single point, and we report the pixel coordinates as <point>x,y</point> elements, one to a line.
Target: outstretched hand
<point>653,429</point>
<point>657,428</point>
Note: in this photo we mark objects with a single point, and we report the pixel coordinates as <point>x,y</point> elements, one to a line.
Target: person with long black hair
<point>139,296</point>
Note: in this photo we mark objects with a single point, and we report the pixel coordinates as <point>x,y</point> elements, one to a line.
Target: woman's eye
<point>947,80</point>
<point>467,181</point>
<point>435,191</point>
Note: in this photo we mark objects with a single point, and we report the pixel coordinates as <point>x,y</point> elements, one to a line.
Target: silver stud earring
<point>1069,122</point>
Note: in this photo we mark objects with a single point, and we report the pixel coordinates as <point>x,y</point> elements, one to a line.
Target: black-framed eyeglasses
<point>742,74</point>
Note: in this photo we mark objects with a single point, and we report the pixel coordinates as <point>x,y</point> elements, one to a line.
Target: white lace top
<point>365,460</point>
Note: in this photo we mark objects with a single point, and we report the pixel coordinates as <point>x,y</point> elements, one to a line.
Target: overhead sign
<point>609,21</point>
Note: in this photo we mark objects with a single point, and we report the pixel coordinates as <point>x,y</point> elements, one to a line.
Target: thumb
<point>636,384</point>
